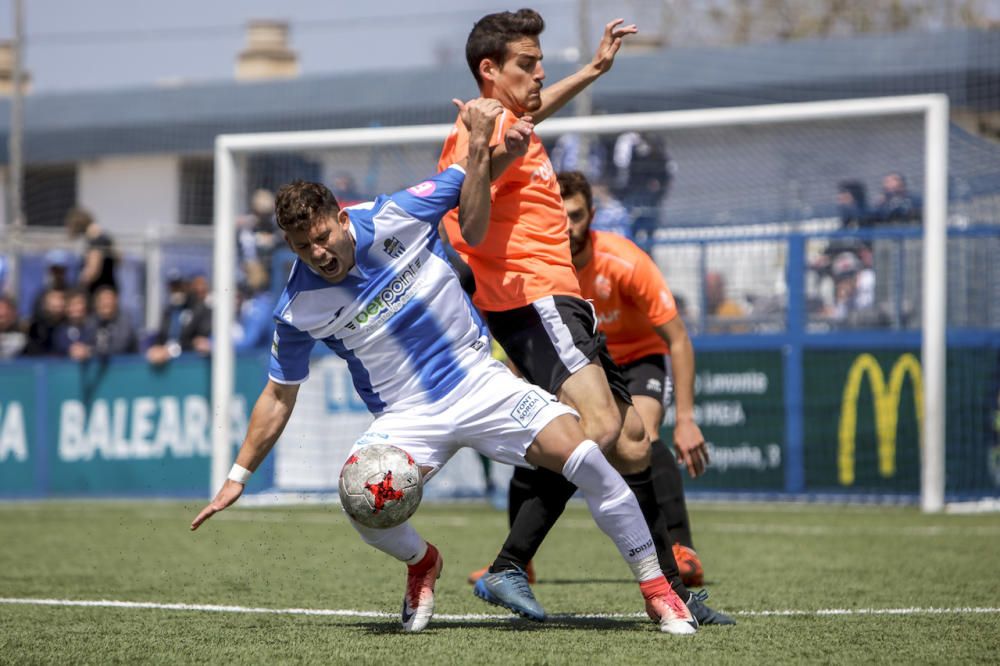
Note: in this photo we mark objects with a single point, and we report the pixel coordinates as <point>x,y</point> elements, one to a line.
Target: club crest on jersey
<point>424,189</point>
<point>602,285</point>
<point>393,247</point>
<point>544,173</point>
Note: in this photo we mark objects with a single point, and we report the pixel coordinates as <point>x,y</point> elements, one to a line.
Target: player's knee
<point>604,428</point>
<point>631,453</point>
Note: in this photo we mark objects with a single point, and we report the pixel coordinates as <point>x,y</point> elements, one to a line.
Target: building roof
<point>185,119</point>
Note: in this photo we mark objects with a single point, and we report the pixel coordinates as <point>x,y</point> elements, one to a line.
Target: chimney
<point>267,55</point>
<point>7,71</point>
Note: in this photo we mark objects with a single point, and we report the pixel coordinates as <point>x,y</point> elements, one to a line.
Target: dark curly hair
<point>300,202</point>
<point>492,33</point>
<point>574,182</point>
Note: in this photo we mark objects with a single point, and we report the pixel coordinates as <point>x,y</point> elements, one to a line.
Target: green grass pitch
<point>759,559</point>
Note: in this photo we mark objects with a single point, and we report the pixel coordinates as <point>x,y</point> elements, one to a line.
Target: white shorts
<point>491,411</point>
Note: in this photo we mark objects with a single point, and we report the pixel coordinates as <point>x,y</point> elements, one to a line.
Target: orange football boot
<point>689,565</point>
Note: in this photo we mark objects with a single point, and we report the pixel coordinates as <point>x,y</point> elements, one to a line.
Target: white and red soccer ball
<point>380,486</point>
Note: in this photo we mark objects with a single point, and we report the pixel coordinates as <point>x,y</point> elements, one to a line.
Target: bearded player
<point>649,342</point>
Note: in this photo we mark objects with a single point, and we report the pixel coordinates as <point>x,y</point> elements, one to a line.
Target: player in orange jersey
<point>526,287</point>
<point>637,313</point>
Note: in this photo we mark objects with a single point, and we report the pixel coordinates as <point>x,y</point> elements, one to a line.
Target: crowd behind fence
<point>724,243</point>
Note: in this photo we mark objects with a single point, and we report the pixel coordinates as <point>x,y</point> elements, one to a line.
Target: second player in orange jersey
<point>638,314</point>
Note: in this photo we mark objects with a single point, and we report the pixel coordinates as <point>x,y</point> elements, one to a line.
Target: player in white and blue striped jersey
<point>373,284</point>
<point>397,316</point>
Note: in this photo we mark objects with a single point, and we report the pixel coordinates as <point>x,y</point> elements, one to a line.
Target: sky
<point>73,45</point>
<point>100,44</point>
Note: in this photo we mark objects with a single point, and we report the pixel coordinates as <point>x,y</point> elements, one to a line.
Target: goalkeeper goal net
<point>825,277</point>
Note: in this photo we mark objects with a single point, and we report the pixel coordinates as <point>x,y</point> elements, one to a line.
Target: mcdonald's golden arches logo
<point>886,409</point>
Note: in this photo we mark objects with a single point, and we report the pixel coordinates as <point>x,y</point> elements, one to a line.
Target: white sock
<point>402,541</point>
<point>613,505</point>
<point>647,568</point>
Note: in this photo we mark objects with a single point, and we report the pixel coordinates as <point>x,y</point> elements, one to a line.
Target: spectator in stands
<point>565,156</point>
<point>254,322</point>
<point>852,204</point>
<point>897,204</point>
<point>854,294</point>
<point>609,213</point>
<point>643,172</point>
<point>346,187</point>
<point>109,330</point>
<point>169,330</point>
<point>254,307</point>
<point>12,335</point>
<point>256,237</point>
<point>69,337</point>
<point>100,258</point>
<point>41,330</point>
<point>186,323</point>
<point>57,266</point>
<point>724,313</point>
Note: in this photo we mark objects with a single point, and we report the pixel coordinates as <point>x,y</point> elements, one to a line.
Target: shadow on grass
<point>586,581</point>
<point>514,624</point>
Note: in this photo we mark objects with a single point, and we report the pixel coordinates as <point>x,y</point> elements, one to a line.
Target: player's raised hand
<point>478,115</point>
<point>226,497</point>
<point>690,446</point>
<point>518,136</point>
<point>611,41</point>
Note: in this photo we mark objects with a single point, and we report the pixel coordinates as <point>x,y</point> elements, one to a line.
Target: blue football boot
<point>510,589</point>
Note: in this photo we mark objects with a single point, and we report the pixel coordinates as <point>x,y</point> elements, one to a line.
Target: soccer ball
<point>380,486</point>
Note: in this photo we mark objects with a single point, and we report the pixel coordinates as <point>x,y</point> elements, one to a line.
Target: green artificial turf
<point>803,560</point>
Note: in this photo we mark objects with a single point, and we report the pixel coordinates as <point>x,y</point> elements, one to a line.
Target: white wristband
<point>239,474</point>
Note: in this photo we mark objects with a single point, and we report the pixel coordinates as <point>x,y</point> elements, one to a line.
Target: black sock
<point>641,484</point>
<point>537,499</point>
<point>669,488</point>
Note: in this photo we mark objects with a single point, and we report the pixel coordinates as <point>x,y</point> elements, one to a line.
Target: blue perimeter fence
<point>792,403</point>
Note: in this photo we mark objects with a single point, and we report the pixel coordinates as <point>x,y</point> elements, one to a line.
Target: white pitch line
<point>840,532</point>
<point>216,608</point>
<point>820,530</point>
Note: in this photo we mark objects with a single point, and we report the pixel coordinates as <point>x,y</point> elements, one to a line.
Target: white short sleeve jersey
<point>399,318</point>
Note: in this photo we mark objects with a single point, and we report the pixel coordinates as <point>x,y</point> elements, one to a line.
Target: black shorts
<point>649,376</point>
<point>551,339</point>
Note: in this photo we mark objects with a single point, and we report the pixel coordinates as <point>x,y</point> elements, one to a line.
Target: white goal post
<point>229,149</point>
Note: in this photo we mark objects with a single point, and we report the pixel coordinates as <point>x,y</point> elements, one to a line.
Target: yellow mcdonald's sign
<point>886,407</point>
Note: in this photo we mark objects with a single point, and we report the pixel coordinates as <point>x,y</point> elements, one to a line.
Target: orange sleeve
<point>650,292</point>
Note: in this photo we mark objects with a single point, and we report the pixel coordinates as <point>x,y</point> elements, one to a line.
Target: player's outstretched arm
<point>688,440</point>
<point>267,421</point>
<point>556,96</point>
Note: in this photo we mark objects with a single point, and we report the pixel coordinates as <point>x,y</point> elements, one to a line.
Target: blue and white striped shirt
<point>399,318</point>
